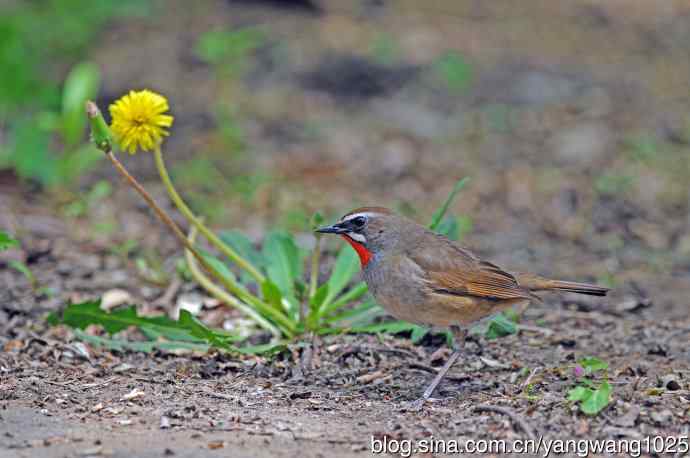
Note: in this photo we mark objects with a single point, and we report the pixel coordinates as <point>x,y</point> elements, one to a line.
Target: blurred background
<point>570,118</point>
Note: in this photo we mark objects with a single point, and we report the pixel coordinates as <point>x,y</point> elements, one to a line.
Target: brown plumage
<point>425,278</point>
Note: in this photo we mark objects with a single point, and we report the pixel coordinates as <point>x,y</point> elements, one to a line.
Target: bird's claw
<point>418,405</point>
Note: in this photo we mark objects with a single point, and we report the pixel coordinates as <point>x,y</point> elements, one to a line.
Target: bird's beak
<point>334,229</point>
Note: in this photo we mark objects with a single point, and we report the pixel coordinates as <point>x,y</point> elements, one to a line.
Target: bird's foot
<point>418,405</point>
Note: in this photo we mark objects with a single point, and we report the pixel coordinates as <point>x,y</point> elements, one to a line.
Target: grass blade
<point>441,211</point>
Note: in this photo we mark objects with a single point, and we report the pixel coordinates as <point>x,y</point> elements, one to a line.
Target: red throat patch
<point>364,254</point>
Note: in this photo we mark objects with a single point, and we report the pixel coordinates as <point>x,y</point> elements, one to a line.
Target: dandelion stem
<point>227,282</point>
<point>221,295</point>
<point>205,231</point>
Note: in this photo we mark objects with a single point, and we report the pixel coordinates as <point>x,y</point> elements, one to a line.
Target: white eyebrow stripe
<point>358,237</point>
<point>356,215</point>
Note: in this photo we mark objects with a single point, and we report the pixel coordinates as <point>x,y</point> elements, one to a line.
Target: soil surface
<point>564,184</point>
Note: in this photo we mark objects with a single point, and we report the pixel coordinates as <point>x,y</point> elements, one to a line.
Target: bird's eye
<point>359,221</point>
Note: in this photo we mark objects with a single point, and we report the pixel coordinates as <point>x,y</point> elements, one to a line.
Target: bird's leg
<point>458,341</point>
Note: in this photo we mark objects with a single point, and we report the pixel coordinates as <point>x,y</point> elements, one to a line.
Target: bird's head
<point>369,230</point>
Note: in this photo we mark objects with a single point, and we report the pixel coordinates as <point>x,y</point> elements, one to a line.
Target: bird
<point>425,278</point>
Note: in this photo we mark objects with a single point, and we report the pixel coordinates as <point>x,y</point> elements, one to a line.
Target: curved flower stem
<point>227,282</point>
<point>221,295</point>
<point>205,231</point>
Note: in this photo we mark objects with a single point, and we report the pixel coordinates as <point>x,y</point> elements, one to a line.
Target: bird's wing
<point>453,270</point>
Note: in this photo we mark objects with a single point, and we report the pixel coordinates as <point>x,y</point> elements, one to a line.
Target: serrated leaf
<point>144,347</point>
<point>200,331</point>
<point>7,242</point>
<point>440,213</point>
<point>187,329</point>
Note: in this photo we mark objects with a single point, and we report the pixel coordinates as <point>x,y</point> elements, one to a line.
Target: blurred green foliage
<point>42,118</point>
<point>228,50</point>
<point>455,70</point>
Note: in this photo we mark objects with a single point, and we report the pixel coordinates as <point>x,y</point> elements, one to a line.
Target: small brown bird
<point>425,278</point>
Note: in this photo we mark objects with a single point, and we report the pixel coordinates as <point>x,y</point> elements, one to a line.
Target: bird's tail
<point>536,283</point>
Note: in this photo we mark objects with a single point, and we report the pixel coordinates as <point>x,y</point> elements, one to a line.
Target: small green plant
<point>228,50</point>
<point>268,285</point>
<point>592,395</point>
<point>7,242</point>
<point>31,154</point>
<point>612,184</point>
<point>160,332</point>
<point>455,71</point>
<point>43,122</point>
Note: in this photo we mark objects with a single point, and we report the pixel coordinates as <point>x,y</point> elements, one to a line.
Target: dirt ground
<point>583,83</point>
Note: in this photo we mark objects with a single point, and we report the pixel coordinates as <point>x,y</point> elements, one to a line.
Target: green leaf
<point>228,47</point>
<point>390,327</point>
<point>361,315</point>
<point>418,334</point>
<point>271,294</point>
<point>316,220</point>
<point>579,393</point>
<point>144,347</point>
<point>454,69</point>
<point>319,296</point>
<point>441,211</point>
<point>218,265</point>
<point>262,349</point>
<point>592,364</point>
<point>200,331</point>
<point>346,265</point>
<point>500,326</point>
<point>246,249</point>
<point>24,270</point>
<point>187,329</point>
<point>284,265</point>
<point>7,242</point>
<point>81,85</point>
<point>350,296</point>
<point>598,400</point>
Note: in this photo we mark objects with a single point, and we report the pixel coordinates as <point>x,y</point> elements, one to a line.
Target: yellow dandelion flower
<point>138,120</point>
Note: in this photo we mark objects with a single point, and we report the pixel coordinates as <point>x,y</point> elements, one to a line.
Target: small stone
<point>670,382</point>
<point>165,422</point>
<point>114,298</point>
<point>134,394</point>
<point>661,417</point>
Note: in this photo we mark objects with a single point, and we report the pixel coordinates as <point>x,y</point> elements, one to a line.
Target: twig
<point>529,378</point>
<point>525,327</point>
<point>675,334</point>
<point>517,419</point>
<point>170,292</point>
